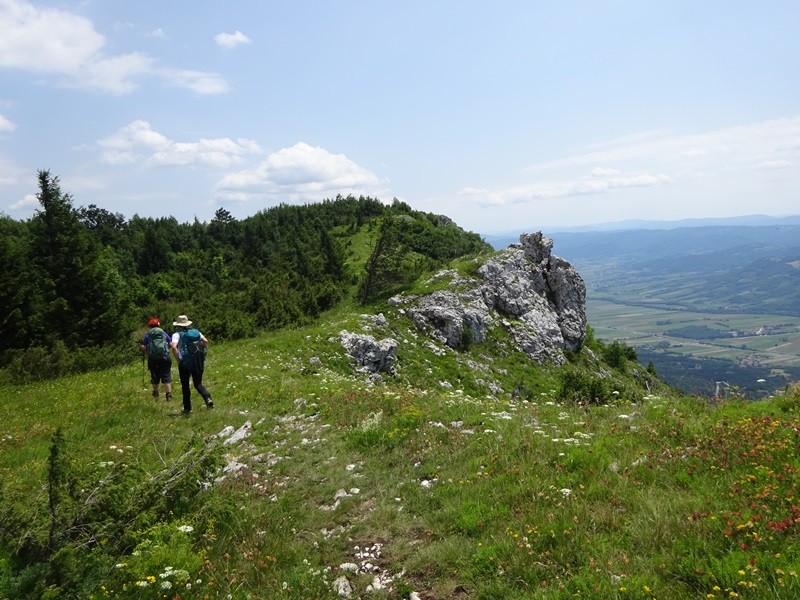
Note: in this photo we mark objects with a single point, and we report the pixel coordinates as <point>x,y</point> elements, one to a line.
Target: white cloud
<point>27,204</point>
<point>655,159</point>
<point>114,74</point>
<point>46,39</point>
<point>231,40</point>
<point>200,82</point>
<point>732,147</point>
<point>55,42</point>
<point>156,33</point>
<point>6,124</point>
<point>593,184</point>
<point>137,142</point>
<point>302,173</point>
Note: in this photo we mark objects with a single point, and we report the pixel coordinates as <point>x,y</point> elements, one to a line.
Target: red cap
<point>154,322</point>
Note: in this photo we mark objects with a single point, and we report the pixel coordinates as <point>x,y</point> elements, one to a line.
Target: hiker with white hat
<point>189,347</point>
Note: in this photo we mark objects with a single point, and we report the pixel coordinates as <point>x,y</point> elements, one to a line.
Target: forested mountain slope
<point>78,281</point>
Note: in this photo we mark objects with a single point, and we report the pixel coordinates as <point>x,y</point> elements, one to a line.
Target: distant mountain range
<point>503,239</point>
<point>723,267</point>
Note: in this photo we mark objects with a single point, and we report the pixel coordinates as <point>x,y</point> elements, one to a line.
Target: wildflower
<point>165,585</point>
<point>185,528</point>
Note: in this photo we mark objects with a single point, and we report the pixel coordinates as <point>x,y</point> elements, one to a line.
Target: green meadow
<point>310,480</point>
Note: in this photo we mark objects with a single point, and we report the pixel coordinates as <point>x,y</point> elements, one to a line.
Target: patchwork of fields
<point>694,350</point>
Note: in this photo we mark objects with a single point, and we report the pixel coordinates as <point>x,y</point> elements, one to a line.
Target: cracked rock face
<point>452,318</point>
<point>539,298</point>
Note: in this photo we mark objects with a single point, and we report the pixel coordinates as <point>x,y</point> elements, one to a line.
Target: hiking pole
<point>144,383</point>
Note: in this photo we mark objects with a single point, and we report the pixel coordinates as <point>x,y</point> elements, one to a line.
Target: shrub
<point>579,386</point>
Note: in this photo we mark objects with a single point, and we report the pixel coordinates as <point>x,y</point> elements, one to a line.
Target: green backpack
<point>157,344</point>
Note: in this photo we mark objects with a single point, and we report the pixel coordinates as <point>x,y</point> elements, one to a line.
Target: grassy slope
<point>454,492</point>
<point>446,488</point>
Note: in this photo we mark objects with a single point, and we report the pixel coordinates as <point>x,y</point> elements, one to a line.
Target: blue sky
<point>503,116</point>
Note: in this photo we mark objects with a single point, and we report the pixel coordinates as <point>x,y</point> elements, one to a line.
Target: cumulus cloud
<point>55,42</point>
<point>302,173</point>
<point>139,143</point>
<point>231,40</point>
<point>6,124</point>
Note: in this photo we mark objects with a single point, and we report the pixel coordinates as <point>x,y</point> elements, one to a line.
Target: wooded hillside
<point>79,280</point>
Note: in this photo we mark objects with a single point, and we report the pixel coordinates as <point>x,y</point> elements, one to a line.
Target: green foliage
<point>617,354</point>
<point>579,386</point>
<point>409,245</point>
<point>105,513</point>
<point>72,277</point>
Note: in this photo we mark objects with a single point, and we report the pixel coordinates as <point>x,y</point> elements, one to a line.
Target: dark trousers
<point>197,379</point>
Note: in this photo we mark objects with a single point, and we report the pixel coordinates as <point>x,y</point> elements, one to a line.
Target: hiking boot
<point>186,413</point>
<point>169,396</point>
<point>209,402</point>
<point>155,394</point>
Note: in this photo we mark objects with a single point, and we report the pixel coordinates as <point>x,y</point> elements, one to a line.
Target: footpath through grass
<point>426,485</point>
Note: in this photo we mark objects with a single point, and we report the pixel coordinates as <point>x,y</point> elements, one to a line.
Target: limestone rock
<point>370,355</point>
<point>539,298</point>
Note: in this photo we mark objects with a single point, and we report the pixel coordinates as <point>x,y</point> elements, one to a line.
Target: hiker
<point>156,346</point>
<point>189,347</point>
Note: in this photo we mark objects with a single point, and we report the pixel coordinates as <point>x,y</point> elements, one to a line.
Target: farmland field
<point>693,350</point>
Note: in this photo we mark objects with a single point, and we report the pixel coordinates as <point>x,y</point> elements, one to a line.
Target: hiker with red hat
<point>156,346</point>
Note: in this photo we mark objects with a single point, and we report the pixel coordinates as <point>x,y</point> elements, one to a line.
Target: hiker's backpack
<point>192,350</point>
<point>157,344</point>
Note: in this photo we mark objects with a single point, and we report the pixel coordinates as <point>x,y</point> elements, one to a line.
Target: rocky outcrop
<point>538,297</point>
<point>370,355</point>
<point>455,319</point>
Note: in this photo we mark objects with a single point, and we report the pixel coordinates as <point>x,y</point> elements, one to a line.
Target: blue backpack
<point>193,351</point>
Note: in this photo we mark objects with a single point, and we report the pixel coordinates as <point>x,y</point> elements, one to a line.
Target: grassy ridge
<point>430,483</point>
